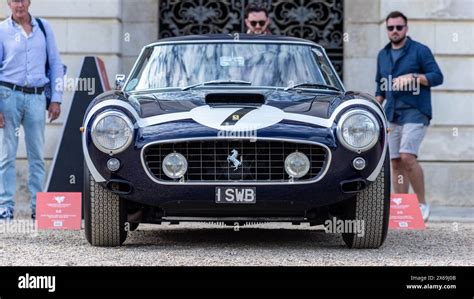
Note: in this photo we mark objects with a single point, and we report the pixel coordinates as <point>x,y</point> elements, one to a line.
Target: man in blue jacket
<point>406,71</point>
<point>24,51</point>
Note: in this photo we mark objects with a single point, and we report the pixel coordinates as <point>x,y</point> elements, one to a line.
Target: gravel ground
<point>261,245</point>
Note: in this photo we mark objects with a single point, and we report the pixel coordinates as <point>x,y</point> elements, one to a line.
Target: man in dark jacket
<point>406,71</point>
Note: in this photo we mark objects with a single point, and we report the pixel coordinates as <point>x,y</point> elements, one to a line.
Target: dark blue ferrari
<point>234,129</point>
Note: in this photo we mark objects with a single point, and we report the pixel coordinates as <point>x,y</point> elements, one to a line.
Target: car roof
<point>232,37</point>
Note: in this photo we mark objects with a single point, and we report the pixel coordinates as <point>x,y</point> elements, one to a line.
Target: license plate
<point>236,195</point>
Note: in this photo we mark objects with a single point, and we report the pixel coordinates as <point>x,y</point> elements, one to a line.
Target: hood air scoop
<point>231,99</point>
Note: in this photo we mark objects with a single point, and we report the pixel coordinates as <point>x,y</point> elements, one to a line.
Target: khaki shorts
<point>405,139</point>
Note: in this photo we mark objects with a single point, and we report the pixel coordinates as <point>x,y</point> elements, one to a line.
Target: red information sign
<point>405,212</point>
<point>58,210</point>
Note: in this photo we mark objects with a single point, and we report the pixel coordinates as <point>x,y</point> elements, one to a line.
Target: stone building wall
<point>447,28</point>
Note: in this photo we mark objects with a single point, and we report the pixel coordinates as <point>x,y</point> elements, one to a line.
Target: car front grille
<point>262,160</point>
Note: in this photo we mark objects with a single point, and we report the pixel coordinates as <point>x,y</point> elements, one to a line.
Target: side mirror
<point>119,81</point>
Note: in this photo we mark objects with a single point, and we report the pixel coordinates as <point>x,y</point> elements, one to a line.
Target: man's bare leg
<point>415,175</point>
<point>400,181</point>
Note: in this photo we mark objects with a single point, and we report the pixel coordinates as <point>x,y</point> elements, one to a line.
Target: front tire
<point>104,214</point>
<point>372,206</point>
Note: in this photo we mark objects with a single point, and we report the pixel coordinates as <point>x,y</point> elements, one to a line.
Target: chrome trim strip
<point>333,69</point>
<point>317,179</point>
<point>234,41</point>
<point>227,87</point>
<point>133,69</point>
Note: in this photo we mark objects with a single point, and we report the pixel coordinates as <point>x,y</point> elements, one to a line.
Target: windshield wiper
<point>217,82</point>
<point>316,85</point>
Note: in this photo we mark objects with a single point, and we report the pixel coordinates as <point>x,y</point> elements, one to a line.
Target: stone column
<point>361,44</point>
<point>140,27</point>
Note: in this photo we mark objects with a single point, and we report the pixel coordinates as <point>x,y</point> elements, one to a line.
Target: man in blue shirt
<point>24,50</point>
<point>406,71</point>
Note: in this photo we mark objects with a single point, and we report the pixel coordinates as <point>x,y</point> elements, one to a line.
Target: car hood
<point>160,103</point>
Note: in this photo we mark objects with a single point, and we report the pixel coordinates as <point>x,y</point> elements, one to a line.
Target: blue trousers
<point>27,110</point>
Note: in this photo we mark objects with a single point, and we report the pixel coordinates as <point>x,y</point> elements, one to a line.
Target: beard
<point>260,30</point>
<point>398,40</point>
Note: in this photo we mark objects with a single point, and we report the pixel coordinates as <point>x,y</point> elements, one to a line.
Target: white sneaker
<point>425,211</point>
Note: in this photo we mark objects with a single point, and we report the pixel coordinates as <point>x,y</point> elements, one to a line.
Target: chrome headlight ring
<point>297,165</point>
<point>112,132</point>
<point>365,121</point>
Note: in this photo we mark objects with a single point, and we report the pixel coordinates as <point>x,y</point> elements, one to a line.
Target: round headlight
<point>297,165</point>
<point>358,130</point>
<point>175,165</point>
<point>112,132</point>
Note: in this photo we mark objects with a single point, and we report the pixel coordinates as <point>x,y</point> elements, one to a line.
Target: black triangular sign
<point>67,170</point>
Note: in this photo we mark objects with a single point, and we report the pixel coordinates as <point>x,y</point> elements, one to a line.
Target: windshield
<point>257,64</point>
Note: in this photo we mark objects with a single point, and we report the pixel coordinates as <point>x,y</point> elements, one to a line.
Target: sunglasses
<point>254,23</point>
<point>398,27</point>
